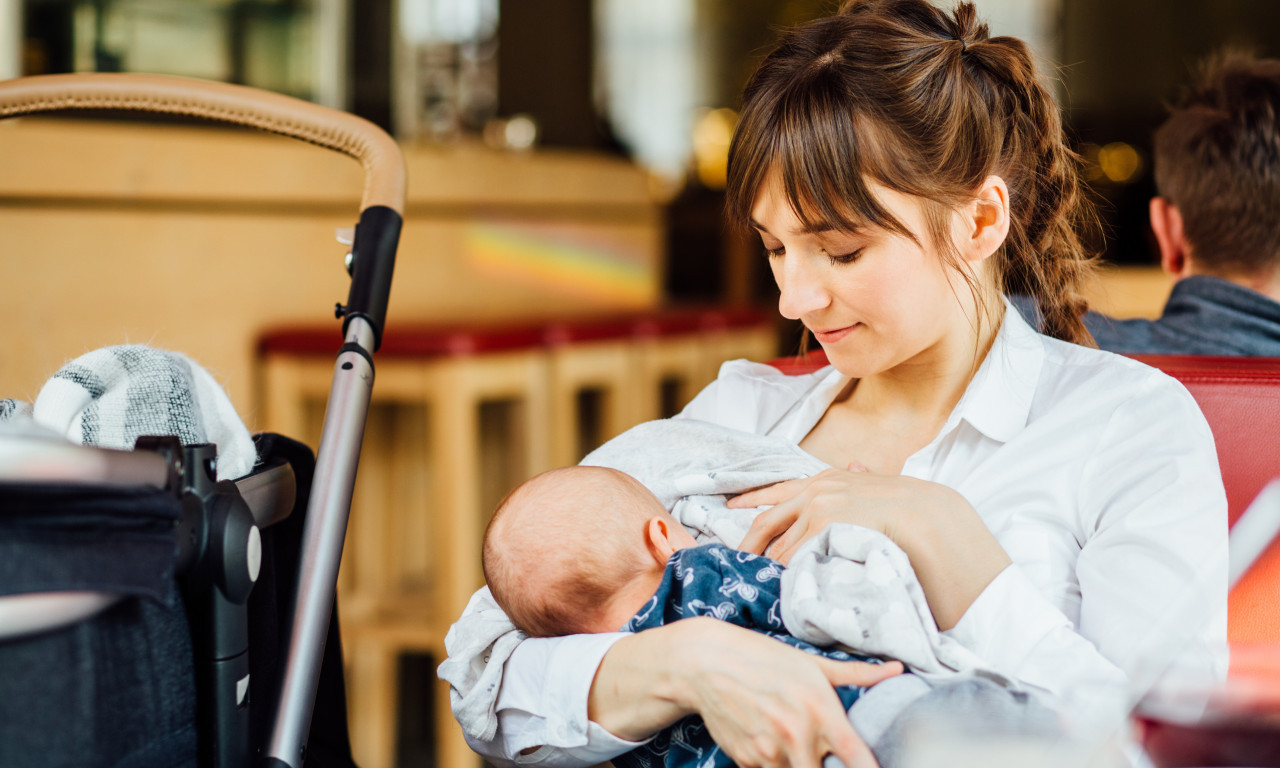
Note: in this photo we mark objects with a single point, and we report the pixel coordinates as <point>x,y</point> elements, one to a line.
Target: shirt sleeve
<point>1151,570</point>
<point>542,705</point>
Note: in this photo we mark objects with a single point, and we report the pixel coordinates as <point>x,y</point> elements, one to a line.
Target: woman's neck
<point>928,385</point>
<point>881,420</point>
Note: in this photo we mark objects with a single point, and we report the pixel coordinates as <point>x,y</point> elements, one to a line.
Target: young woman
<point>904,171</point>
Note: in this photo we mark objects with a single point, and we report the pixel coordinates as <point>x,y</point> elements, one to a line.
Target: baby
<point>611,545</point>
<point>618,560</point>
<point>590,549</point>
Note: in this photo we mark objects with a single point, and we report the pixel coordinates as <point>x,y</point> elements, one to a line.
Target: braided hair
<point>926,103</point>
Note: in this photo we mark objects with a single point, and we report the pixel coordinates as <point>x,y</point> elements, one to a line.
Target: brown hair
<point>561,545</point>
<point>925,103</point>
<point>1217,158</point>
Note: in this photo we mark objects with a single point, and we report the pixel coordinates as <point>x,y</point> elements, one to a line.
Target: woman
<point>903,171</point>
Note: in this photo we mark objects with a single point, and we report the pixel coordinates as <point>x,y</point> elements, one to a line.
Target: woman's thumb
<point>858,672</point>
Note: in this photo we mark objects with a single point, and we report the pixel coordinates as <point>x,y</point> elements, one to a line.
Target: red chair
<point>1240,397</point>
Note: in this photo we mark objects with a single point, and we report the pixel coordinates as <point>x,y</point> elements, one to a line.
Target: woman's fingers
<point>788,542</point>
<point>768,704</point>
<point>768,495</point>
<point>848,746</point>
<point>858,673</point>
<point>767,526</point>
<point>842,740</point>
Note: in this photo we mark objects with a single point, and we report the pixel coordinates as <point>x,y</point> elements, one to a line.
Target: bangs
<point>802,134</point>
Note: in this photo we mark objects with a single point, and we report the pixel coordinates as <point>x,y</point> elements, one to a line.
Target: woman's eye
<point>773,253</point>
<point>844,258</point>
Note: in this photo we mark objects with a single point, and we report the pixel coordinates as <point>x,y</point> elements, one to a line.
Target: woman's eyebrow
<point>816,229</point>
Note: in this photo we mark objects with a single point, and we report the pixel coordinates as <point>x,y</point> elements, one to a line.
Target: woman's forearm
<point>950,548</point>
<point>953,553</point>
<point>634,693</point>
<point>764,702</point>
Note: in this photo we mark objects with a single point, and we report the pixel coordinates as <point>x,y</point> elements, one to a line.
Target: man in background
<point>1216,218</point>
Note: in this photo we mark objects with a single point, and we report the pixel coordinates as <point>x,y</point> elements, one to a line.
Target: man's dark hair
<point>1217,158</point>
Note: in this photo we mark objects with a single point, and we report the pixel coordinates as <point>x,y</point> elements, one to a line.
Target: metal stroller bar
<point>34,459</point>
<point>372,263</point>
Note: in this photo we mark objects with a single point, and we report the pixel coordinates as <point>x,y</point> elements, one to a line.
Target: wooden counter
<point>1130,291</point>
<point>195,238</point>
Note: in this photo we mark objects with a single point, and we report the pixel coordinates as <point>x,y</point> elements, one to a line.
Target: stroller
<point>149,613</point>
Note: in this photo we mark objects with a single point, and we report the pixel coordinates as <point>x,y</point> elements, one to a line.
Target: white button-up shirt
<point>1097,474</point>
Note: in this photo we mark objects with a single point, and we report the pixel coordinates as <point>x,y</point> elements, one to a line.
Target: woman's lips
<point>834,334</point>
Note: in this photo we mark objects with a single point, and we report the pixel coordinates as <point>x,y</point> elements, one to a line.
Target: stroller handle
<point>381,207</point>
<point>221,102</point>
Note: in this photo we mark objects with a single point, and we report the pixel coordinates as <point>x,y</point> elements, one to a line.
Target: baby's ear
<point>657,533</point>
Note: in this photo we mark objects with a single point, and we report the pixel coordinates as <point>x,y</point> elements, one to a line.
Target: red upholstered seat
<point>1240,397</point>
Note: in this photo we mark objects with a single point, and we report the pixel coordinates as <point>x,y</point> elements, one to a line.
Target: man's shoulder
<point>1204,315</point>
<point>1123,336</point>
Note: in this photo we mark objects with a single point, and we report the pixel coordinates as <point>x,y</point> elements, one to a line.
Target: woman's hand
<point>764,702</point>
<point>802,508</point>
<point>954,555</point>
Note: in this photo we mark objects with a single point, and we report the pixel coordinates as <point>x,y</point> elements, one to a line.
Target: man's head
<point>1217,171</point>
<point>576,550</point>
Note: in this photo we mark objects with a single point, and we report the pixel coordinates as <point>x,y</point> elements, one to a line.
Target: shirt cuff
<point>549,706</point>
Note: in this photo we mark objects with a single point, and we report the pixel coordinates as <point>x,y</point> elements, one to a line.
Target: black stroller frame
<point>217,533</point>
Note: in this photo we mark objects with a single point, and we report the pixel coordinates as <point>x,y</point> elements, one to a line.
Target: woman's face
<point>875,300</point>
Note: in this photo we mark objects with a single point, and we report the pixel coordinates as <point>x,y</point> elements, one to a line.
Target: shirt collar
<point>997,401</point>
<point>1209,293</point>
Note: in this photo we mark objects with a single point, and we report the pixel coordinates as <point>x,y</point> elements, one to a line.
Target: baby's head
<point>577,550</point>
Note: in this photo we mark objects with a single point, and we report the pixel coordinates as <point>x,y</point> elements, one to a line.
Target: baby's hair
<point>923,102</point>
<point>1217,157</point>
<point>561,545</point>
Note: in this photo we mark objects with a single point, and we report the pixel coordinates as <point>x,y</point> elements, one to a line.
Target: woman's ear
<point>986,220</point>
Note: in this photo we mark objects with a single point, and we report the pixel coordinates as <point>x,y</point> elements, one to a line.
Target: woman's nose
<point>800,289</point>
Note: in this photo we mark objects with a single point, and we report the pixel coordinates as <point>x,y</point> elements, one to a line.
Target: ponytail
<point>1045,255</point>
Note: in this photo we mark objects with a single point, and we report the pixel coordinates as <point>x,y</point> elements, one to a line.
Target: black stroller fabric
<point>119,689</point>
<point>65,537</point>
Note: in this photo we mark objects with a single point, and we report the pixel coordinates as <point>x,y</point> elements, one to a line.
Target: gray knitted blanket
<point>112,396</point>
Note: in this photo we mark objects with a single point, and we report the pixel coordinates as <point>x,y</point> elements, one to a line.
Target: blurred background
<point>566,160</point>
<point>656,82</point>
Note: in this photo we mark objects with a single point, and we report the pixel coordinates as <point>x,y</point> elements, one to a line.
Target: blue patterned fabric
<point>733,586</point>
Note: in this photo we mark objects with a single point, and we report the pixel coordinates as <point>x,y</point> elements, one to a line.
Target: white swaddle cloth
<point>694,466</point>
<point>112,396</point>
